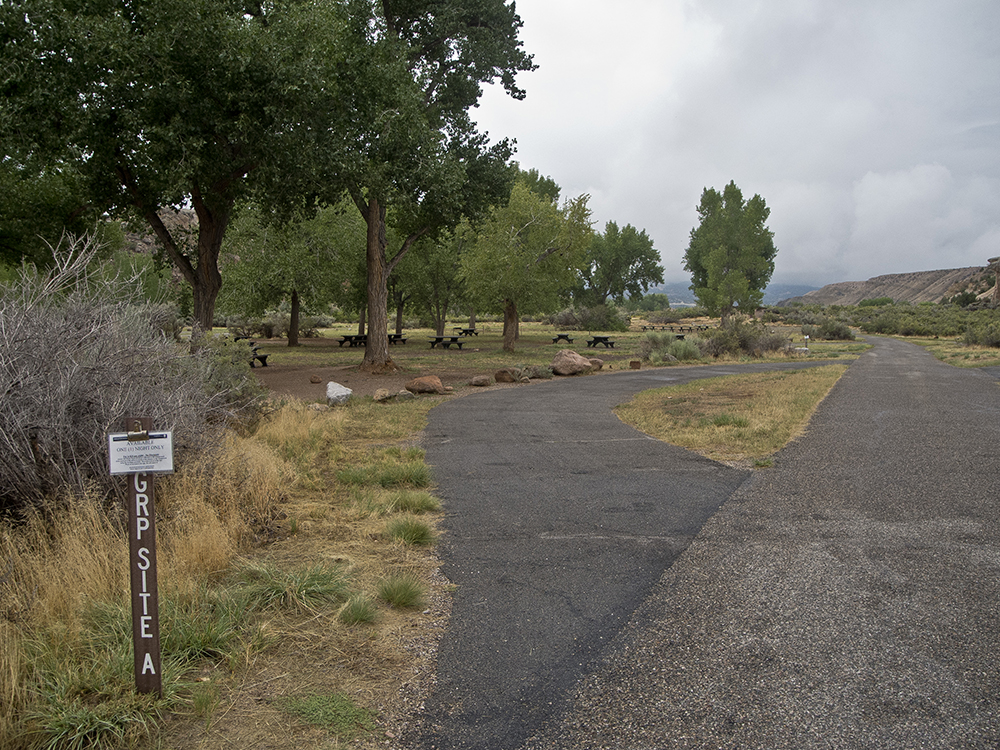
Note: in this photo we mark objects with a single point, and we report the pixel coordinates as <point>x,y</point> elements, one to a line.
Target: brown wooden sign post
<point>138,454</point>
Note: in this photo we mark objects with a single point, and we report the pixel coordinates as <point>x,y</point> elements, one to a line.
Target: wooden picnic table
<point>466,331</point>
<point>397,338</point>
<point>562,337</point>
<point>593,341</point>
<point>352,341</point>
<point>445,341</point>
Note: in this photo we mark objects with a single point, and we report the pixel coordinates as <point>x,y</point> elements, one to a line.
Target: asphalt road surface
<point>616,592</point>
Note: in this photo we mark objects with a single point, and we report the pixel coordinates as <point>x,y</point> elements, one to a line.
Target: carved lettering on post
<point>142,575</point>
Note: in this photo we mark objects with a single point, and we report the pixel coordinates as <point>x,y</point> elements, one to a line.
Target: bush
<point>982,335</point>
<point>742,337</point>
<point>79,353</point>
<point>598,318</point>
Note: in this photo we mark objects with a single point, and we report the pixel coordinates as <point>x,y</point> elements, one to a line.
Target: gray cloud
<point>870,127</point>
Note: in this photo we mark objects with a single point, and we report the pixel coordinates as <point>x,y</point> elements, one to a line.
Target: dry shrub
<point>218,503</point>
<point>78,354</point>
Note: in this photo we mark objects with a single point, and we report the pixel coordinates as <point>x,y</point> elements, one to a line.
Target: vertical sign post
<point>139,454</point>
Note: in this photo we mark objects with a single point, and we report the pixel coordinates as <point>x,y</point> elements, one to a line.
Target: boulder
<point>597,363</point>
<point>382,395</point>
<point>568,362</point>
<point>426,384</point>
<point>337,394</point>
<point>405,396</point>
<point>506,375</point>
<point>481,381</point>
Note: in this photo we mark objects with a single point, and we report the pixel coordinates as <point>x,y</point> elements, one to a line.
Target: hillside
<point>922,286</point>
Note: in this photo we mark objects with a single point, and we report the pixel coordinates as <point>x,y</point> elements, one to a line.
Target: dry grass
<point>735,419</point>
<point>272,499</point>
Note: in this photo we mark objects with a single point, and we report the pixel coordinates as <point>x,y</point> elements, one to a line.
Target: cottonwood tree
<point>306,262</point>
<point>416,148</point>
<point>525,255</point>
<point>162,104</point>
<point>731,252</point>
<point>619,262</point>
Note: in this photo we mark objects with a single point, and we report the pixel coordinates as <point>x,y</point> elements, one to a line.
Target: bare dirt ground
<point>308,381</point>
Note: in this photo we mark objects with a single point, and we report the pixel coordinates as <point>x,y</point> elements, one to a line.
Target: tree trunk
<point>377,358</point>
<point>472,318</point>
<point>510,324</point>
<point>400,300</point>
<point>293,323</point>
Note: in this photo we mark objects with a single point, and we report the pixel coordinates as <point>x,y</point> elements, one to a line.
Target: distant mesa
<point>921,286</point>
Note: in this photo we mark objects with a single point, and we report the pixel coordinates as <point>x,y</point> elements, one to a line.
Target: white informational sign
<point>153,456</point>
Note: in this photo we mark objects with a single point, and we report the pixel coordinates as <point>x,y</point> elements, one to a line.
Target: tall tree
<point>417,149</point>
<point>525,255</point>
<point>172,103</point>
<point>620,262</point>
<point>307,262</point>
<point>731,252</point>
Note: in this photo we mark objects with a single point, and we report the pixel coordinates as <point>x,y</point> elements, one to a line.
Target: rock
<point>635,364</point>
<point>481,381</point>
<point>426,384</point>
<point>337,394</point>
<point>382,395</point>
<point>597,363</point>
<point>316,379</point>
<point>405,396</point>
<point>568,362</point>
<point>506,375</point>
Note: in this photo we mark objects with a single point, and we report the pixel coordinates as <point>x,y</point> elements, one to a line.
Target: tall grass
<point>65,623</point>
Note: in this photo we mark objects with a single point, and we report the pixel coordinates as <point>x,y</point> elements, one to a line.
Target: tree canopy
<point>526,254</point>
<point>731,252</point>
<point>161,104</point>
<point>416,148</point>
<point>619,262</point>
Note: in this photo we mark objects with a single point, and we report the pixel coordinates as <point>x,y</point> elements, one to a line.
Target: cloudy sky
<point>870,127</point>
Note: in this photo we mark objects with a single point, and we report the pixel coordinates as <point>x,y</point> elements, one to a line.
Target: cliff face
<point>922,286</point>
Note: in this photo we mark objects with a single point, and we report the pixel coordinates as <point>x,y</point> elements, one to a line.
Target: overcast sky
<point>870,127</point>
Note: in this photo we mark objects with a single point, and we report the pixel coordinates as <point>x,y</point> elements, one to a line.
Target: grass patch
<point>335,713</point>
<point>360,609</point>
<point>266,587</point>
<point>401,590</point>
<point>954,351</point>
<point>410,531</point>
<point>733,418</point>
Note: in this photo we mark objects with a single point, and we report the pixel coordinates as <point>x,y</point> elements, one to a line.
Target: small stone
<point>316,379</point>
<point>481,381</point>
<point>382,395</point>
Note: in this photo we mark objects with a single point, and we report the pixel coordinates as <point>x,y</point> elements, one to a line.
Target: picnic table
<point>255,355</point>
<point>445,341</point>
<point>352,341</point>
<point>562,337</point>
<point>397,338</point>
<point>593,341</point>
<point>466,331</point>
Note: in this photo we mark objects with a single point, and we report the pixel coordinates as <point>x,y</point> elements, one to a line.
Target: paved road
<point>846,598</point>
<point>560,519</point>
